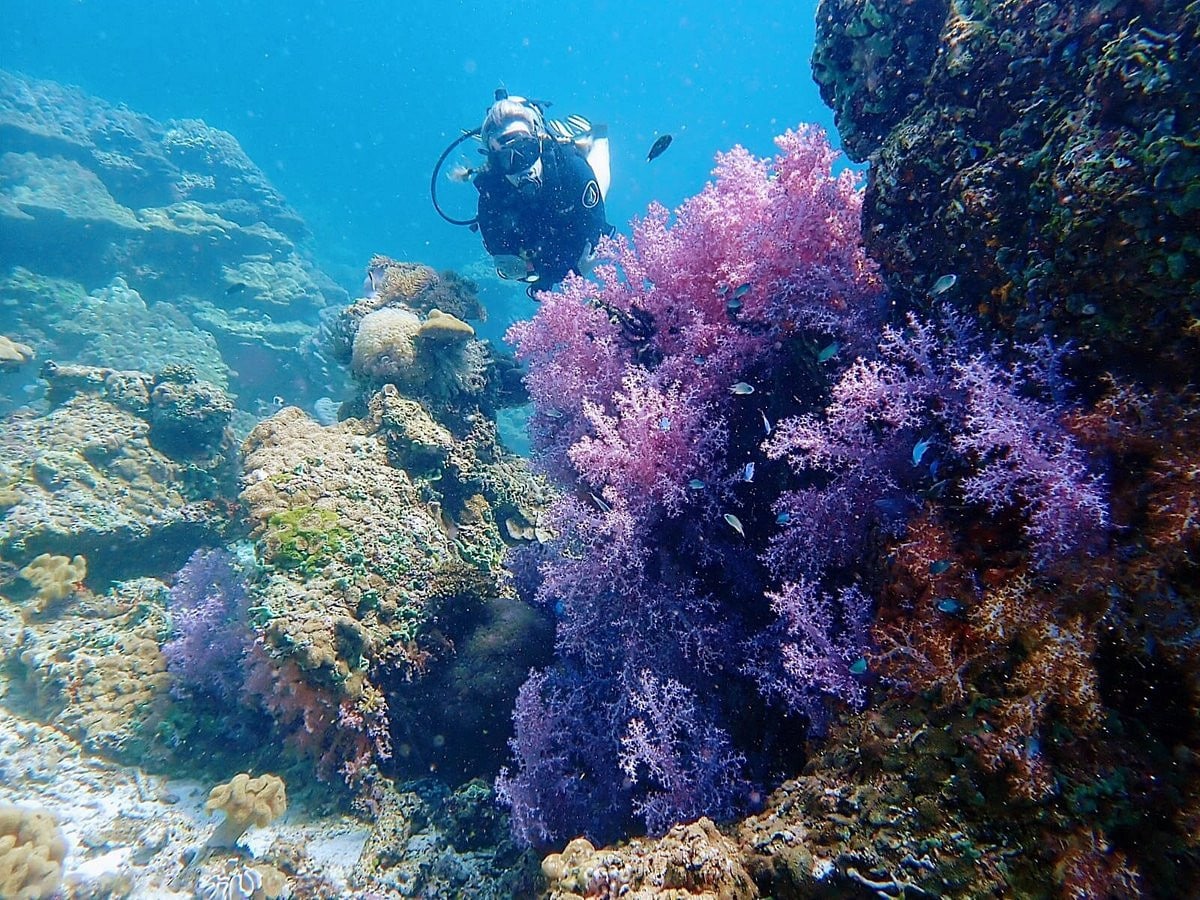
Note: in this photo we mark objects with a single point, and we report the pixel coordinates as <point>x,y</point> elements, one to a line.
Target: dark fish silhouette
<point>236,288</point>
<point>657,148</point>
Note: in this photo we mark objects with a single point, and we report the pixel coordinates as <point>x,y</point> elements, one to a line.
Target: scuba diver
<point>541,191</point>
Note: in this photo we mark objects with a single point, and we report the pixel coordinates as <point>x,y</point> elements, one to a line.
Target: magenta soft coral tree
<point>737,430</point>
<point>653,385</point>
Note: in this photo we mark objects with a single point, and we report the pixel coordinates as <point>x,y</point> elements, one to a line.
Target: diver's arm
<point>498,222</point>
<point>578,218</point>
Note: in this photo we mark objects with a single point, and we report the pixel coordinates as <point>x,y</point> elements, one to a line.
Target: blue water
<point>347,106</point>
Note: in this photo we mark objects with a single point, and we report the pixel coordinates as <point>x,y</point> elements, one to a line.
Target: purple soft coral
<point>208,605</point>
<point>658,594</point>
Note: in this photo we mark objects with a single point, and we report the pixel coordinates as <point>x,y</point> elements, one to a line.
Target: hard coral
<point>32,850</point>
<point>434,356</point>
<point>689,861</point>
<point>383,346</point>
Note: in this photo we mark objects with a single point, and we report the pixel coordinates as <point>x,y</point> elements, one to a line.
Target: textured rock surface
<point>1046,153</point>
<point>382,591</point>
<point>94,477</point>
<point>90,192</point>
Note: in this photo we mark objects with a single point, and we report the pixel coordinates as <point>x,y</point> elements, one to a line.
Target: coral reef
<point>123,459</point>
<point>409,330</point>
<point>814,501</point>
<point>200,249</point>
<point>31,854</point>
<point>428,841</point>
<point>1045,154</point>
<point>94,669</point>
<point>377,579</point>
<point>245,801</point>
<point>693,860</point>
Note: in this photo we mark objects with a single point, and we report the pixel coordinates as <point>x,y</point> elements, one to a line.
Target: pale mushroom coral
<point>245,801</point>
<point>13,354</point>
<point>32,849</point>
<point>443,328</point>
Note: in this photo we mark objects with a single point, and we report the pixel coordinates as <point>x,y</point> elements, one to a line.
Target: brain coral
<point>31,854</point>
<point>435,356</point>
<point>384,348</point>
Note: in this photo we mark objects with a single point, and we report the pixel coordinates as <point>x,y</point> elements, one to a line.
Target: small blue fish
<point>859,666</point>
<point>783,518</point>
<point>735,523</point>
<point>723,290</point>
<point>664,424</point>
<point>748,472</point>
<point>600,504</point>
<point>919,449</point>
<point>766,422</point>
<point>943,284</point>
<point>698,359</point>
<point>949,606</point>
<point>742,389</point>
<point>741,291</point>
<point>696,484</point>
<point>828,353</point>
<point>891,506</point>
<point>938,566</point>
<point>733,305</point>
<point>554,414</point>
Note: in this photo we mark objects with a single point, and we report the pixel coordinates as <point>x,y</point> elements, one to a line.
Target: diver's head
<point>512,133</point>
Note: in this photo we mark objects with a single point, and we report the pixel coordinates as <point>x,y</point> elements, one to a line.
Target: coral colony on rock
<point>856,554</point>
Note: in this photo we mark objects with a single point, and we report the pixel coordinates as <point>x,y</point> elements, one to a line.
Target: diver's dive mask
<point>515,152</point>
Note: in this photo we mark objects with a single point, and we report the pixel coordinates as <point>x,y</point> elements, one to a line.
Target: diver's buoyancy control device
<point>590,140</point>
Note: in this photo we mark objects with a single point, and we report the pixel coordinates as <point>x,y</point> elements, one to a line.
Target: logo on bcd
<point>591,195</point>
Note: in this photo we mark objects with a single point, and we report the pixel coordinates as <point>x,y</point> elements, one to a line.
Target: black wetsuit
<point>553,226</point>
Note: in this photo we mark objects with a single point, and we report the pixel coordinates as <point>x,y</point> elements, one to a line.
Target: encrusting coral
<point>245,801</point>
<point>93,669</point>
<point>693,860</point>
<point>32,850</point>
